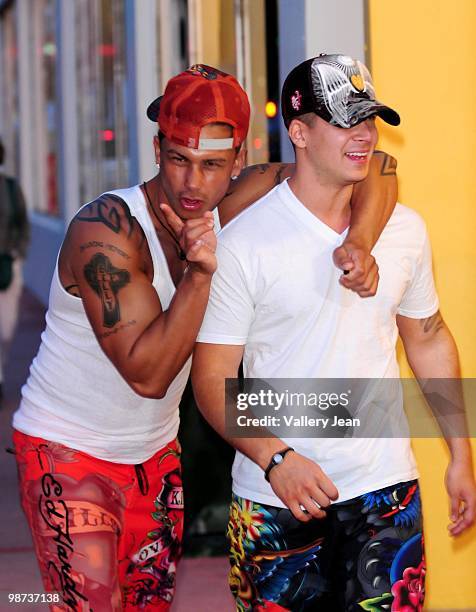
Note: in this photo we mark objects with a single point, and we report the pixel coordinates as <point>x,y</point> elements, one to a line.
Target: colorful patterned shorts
<point>107,536</point>
<point>367,554</point>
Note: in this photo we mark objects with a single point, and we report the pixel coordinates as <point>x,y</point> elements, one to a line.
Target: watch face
<point>278,458</point>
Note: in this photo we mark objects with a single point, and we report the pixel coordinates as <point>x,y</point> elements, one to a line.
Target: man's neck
<point>156,196</point>
<point>326,200</point>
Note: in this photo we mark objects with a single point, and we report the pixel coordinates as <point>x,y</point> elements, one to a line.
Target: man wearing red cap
<point>95,434</point>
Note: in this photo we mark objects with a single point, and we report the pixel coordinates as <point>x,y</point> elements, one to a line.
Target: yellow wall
<point>217,34</point>
<point>423,59</point>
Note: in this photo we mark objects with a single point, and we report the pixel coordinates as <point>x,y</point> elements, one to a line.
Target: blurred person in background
<point>14,238</point>
<point>96,431</point>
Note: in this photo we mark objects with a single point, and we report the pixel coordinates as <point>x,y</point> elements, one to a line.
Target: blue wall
<point>46,238</point>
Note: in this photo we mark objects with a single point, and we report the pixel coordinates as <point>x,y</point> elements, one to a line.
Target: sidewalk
<point>201,583</point>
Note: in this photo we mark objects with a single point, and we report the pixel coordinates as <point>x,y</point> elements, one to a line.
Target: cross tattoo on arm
<point>106,280</point>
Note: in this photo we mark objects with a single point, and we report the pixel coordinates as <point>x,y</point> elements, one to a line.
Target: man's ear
<point>240,161</point>
<point>157,149</point>
<point>297,133</point>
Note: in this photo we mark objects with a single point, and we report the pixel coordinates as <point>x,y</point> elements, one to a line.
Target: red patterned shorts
<point>107,536</point>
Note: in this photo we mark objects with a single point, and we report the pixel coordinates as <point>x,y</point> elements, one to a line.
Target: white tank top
<point>216,219</point>
<point>75,396</point>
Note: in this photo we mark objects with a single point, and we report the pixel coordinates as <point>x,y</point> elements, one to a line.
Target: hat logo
<point>206,73</point>
<point>296,100</point>
<point>358,82</point>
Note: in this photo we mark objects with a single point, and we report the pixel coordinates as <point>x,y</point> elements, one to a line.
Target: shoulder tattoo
<point>111,211</point>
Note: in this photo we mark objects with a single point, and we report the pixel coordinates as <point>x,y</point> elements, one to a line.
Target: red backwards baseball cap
<point>197,97</point>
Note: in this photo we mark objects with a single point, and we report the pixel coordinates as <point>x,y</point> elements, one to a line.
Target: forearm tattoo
<point>106,280</point>
<point>433,324</point>
<point>111,211</point>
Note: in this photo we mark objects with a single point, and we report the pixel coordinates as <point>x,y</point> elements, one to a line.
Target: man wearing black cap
<point>319,522</point>
<point>95,434</point>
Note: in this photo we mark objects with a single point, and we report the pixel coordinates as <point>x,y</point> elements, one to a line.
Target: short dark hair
<point>2,152</point>
<point>307,118</point>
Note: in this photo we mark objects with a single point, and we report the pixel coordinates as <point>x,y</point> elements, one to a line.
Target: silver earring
<point>158,166</point>
<point>233,178</point>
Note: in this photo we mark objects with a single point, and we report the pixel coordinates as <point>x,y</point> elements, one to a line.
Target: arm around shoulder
<point>373,201</point>
<point>253,183</point>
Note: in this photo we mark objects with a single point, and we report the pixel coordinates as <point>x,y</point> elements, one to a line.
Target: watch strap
<point>273,463</point>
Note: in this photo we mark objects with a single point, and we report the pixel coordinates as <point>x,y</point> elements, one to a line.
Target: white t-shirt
<point>276,291</point>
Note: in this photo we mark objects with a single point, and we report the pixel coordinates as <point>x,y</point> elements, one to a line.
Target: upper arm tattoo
<point>260,168</point>
<point>263,168</point>
<point>433,324</point>
<point>389,164</point>
<point>111,211</point>
<point>106,280</point>
<point>278,178</point>
<point>98,244</point>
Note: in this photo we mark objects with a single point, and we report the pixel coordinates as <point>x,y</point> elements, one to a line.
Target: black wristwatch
<point>276,459</point>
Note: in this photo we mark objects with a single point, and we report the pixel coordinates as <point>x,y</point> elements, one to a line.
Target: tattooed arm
<point>433,357</point>
<point>253,183</point>
<point>373,201</point>
<point>107,257</point>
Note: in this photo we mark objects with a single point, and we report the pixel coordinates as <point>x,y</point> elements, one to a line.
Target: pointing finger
<point>172,219</point>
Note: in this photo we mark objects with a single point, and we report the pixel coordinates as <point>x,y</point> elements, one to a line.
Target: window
<point>172,42</point>
<point>9,94</point>
<point>240,37</point>
<point>101,86</point>
<point>44,105</point>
